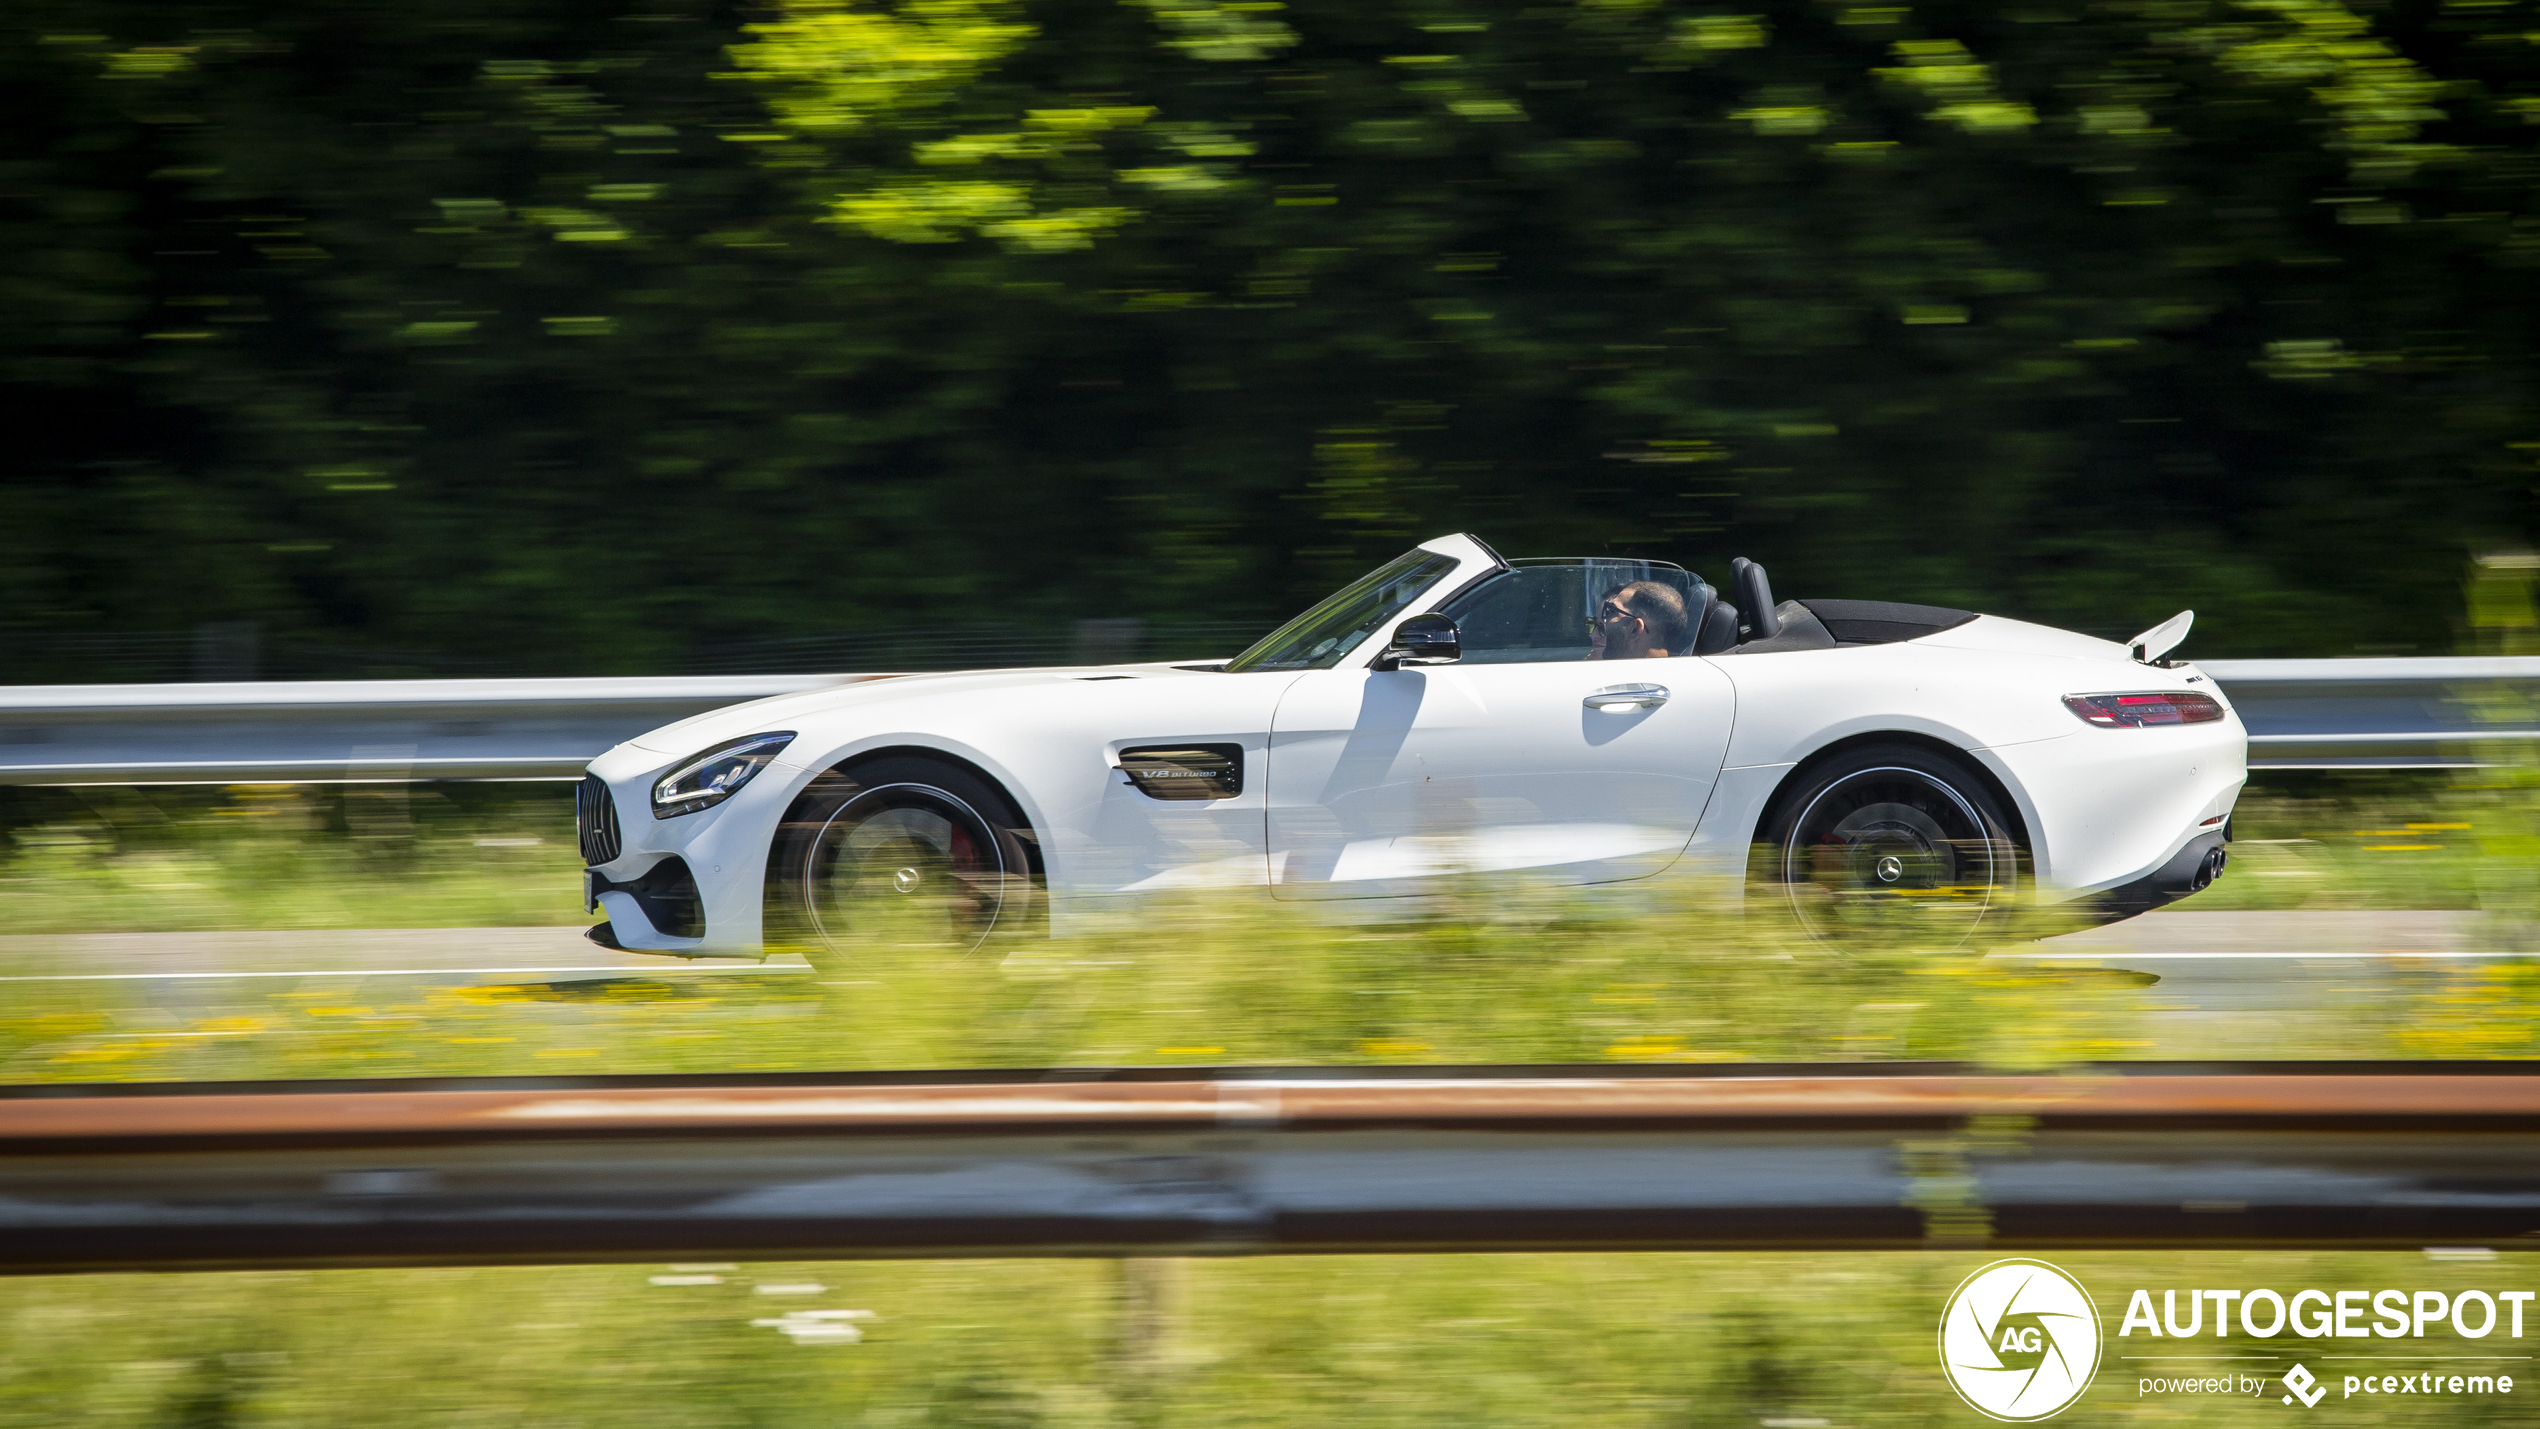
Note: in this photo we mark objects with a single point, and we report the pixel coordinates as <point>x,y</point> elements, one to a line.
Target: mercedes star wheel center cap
<point>906,880</point>
<point>1891,868</point>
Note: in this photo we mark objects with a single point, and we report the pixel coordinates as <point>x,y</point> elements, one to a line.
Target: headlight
<point>713,776</point>
<point>2148,708</point>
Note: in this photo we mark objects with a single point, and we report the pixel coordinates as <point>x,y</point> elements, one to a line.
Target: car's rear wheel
<point>898,853</point>
<point>1891,843</point>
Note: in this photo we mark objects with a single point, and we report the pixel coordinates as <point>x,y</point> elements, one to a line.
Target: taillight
<point>2136,711</point>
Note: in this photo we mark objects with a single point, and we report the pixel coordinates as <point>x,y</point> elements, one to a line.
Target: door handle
<point>1617,699</point>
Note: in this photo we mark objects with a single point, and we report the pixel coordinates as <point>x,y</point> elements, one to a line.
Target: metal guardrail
<point>2414,713</point>
<point>348,730</point>
<point>2302,714</point>
<point>1174,1161</point>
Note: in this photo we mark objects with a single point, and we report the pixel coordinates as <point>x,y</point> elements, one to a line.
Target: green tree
<point>588,336</point>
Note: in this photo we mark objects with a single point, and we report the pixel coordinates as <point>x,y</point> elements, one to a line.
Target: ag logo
<point>2019,1340</point>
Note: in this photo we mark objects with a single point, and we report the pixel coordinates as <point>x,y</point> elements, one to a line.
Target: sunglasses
<point>1607,614</point>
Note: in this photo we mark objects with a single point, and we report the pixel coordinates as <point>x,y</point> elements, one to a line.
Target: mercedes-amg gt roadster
<point>1577,722</point>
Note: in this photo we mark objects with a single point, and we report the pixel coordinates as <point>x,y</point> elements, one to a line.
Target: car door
<point>1526,756</point>
<point>1154,774</point>
<point>1149,779</point>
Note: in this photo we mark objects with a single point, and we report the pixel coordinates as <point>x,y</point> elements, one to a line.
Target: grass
<point>280,857</point>
<point>1454,1341</point>
<point>1200,982</point>
<point>1510,974</point>
<point>455,856</point>
<point>1457,1342</point>
<point>2354,843</point>
<point>1213,983</point>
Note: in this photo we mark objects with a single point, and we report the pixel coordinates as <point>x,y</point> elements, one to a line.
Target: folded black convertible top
<point>1884,622</point>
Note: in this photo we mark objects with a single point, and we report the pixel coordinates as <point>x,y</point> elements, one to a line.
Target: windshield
<point>1319,638</point>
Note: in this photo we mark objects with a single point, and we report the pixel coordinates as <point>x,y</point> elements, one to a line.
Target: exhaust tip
<point>2209,870</point>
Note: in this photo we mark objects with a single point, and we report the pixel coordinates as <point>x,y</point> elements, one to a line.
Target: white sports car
<point>1576,721</point>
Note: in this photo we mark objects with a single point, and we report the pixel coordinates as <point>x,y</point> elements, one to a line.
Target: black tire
<point>1891,843</point>
<point>894,853</point>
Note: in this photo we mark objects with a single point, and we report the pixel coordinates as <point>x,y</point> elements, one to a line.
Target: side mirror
<point>1422,640</point>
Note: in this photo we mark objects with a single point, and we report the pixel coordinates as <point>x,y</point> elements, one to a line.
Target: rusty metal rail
<point>1183,1162</point>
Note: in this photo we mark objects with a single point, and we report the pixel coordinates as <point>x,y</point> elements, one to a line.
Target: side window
<point>1533,613</point>
<point>1540,611</point>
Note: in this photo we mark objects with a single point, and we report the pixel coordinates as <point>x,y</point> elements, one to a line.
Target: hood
<point>713,727</point>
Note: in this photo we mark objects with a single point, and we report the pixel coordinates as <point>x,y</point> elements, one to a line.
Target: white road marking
<point>405,972</point>
<point>2123,955</point>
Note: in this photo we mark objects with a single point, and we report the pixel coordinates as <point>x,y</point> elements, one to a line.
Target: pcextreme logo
<point>2019,1340</point>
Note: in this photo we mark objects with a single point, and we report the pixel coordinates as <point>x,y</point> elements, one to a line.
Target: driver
<point>1642,620</point>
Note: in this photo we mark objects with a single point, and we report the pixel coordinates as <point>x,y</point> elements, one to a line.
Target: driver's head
<point>1644,619</point>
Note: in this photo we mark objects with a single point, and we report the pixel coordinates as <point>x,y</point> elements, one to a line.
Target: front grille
<point>595,819</point>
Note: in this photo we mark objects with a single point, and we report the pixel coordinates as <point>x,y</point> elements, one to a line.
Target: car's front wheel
<point>1891,843</point>
<point>897,853</point>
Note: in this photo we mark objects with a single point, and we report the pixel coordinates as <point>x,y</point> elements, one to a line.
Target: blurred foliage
<point>1496,972</point>
<point>1706,1341</point>
<point>2333,842</point>
<point>599,333</point>
<point>275,858</point>
<point>186,859</point>
<point>1513,977</point>
<point>2505,789</point>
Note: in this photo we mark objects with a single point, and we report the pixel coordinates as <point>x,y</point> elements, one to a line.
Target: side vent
<point>595,819</point>
<point>1185,771</point>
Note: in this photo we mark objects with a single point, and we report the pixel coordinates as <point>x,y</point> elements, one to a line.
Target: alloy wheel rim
<point>1892,850</point>
<point>905,866</point>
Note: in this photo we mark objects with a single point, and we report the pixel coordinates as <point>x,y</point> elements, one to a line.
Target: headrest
<point>1754,599</point>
